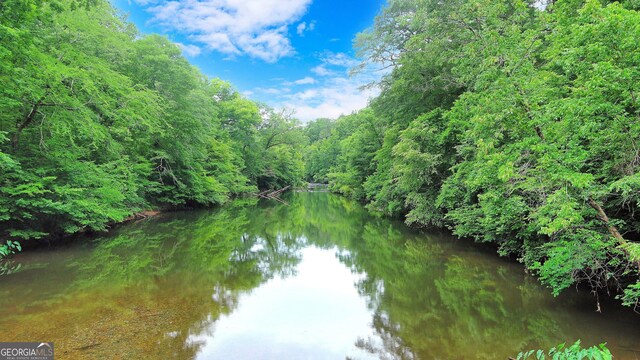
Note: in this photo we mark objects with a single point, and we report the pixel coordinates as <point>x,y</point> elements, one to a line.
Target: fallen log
<point>274,195</point>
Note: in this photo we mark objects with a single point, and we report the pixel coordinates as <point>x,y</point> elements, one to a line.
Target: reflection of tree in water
<point>426,302</point>
<point>152,284</point>
<point>431,304</point>
<point>386,344</point>
<point>217,256</point>
<point>268,255</point>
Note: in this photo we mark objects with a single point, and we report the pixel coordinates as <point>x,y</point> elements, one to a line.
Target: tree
<point>510,124</point>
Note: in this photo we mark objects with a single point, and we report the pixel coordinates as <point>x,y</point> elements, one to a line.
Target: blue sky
<point>286,53</point>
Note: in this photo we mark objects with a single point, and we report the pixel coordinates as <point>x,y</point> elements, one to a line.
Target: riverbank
<point>141,215</point>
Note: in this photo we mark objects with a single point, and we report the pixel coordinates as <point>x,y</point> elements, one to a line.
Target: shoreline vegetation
<point>563,352</point>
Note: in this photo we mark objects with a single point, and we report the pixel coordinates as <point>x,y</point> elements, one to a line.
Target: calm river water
<point>318,279</point>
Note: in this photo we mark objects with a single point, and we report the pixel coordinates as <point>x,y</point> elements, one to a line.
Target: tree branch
<point>602,216</point>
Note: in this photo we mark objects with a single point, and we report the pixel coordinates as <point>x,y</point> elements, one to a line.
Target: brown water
<point>319,279</point>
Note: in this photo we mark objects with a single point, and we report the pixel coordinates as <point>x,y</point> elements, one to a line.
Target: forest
<point>99,122</point>
<point>511,122</point>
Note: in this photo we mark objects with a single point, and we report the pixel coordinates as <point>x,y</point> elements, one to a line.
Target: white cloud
<point>258,28</point>
<point>334,63</point>
<point>217,41</point>
<point>337,96</point>
<point>333,94</point>
<point>307,94</point>
<point>304,27</point>
<point>304,81</point>
<point>301,27</point>
<point>189,49</point>
<point>145,2</point>
<point>272,90</point>
<point>339,59</point>
<point>321,70</point>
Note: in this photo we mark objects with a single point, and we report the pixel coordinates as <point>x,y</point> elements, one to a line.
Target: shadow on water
<point>175,285</point>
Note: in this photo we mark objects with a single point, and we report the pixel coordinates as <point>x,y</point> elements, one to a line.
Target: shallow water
<point>318,279</point>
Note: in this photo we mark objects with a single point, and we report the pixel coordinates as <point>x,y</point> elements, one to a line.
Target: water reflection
<point>313,315</point>
<point>320,278</point>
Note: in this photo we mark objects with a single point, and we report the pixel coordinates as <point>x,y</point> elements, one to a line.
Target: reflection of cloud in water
<point>317,313</point>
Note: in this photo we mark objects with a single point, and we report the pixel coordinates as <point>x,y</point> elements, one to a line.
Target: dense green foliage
<point>573,352</point>
<point>509,123</point>
<point>98,122</point>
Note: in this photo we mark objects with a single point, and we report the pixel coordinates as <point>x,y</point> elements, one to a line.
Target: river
<point>319,278</point>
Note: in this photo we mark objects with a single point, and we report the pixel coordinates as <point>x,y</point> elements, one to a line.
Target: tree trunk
<point>612,229</point>
<point>27,120</point>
